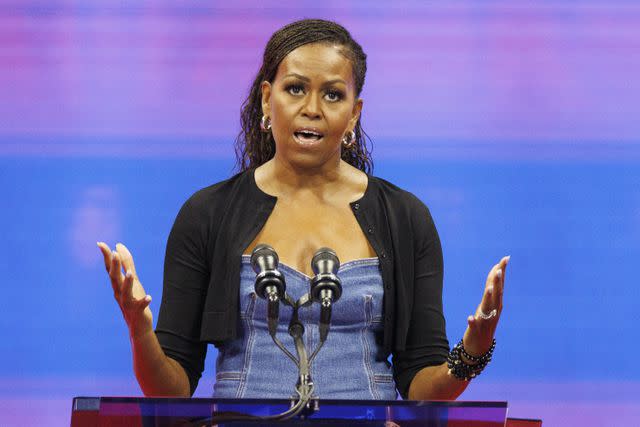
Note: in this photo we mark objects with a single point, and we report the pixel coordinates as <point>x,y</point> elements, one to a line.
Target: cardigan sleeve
<point>186,277</point>
<point>427,343</point>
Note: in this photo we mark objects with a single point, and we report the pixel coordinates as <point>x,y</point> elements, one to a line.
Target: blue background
<point>516,123</point>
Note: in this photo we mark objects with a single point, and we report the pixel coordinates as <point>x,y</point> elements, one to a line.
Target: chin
<point>310,161</point>
<point>304,155</point>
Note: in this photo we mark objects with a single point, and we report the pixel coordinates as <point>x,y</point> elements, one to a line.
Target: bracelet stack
<point>463,370</point>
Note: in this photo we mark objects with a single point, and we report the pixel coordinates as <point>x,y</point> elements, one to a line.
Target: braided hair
<point>254,147</point>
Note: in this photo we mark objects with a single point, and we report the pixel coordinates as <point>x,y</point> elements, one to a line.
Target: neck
<point>279,178</point>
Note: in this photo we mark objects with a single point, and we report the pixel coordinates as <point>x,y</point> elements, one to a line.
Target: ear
<point>265,87</point>
<point>355,114</point>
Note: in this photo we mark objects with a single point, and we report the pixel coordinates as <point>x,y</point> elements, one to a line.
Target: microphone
<point>326,287</point>
<point>270,284</point>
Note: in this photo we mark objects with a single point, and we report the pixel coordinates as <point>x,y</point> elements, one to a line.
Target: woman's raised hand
<point>482,325</point>
<point>127,289</point>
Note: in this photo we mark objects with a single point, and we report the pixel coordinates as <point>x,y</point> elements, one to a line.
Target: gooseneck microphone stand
<point>325,288</point>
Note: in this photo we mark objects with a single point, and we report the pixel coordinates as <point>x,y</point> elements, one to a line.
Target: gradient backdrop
<point>518,123</point>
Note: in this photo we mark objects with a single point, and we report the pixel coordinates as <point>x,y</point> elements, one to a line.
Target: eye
<point>295,89</point>
<point>333,95</point>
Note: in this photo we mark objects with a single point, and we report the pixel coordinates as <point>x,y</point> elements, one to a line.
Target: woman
<point>304,185</point>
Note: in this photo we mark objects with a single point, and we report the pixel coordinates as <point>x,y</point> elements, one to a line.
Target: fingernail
<point>490,290</point>
<point>499,274</point>
<point>470,319</point>
<point>128,275</point>
<point>508,257</point>
<point>147,298</point>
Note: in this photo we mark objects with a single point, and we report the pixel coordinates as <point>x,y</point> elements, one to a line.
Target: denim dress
<point>349,365</point>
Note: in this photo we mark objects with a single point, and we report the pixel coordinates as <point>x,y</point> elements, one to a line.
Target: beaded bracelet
<point>464,371</point>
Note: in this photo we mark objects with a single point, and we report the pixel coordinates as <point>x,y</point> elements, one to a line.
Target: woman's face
<point>312,104</point>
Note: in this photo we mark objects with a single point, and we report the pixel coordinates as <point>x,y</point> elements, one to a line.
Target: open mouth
<point>308,136</point>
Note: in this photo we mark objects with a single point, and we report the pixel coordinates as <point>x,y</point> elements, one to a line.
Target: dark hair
<point>254,147</point>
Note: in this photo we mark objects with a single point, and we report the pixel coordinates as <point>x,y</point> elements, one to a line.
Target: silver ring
<point>484,316</point>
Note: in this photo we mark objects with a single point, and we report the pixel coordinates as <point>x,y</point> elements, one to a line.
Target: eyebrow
<point>307,79</point>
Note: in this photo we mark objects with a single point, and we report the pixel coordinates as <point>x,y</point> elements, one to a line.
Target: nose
<point>311,107</point>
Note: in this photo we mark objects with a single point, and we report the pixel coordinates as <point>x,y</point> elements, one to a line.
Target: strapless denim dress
<point>349,365</point>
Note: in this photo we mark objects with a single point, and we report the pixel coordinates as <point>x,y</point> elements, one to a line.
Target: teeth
<point>308,134</point>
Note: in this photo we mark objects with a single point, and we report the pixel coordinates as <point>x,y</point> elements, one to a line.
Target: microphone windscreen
<point>264,258</point>
<point>325,261</point>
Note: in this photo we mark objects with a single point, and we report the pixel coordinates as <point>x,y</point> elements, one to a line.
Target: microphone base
<point>310,408</point>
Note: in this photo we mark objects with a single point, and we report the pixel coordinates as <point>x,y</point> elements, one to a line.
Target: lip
<point>308,129</point>
<point>308,144</point>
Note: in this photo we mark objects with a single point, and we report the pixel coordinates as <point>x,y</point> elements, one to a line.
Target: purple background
<point>516,122</point>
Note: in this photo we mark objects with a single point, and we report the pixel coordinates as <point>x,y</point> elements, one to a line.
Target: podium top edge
<point>93,402</point>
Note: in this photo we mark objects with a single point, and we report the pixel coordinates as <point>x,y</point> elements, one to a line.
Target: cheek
<point>282,119</point>
<point>339,120</point>
<point>282,113</point>
<point>279,120</point>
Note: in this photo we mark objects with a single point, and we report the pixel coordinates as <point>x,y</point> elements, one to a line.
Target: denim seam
<point>362,262</point>
<point>365,345</point>
<point>248,348</point>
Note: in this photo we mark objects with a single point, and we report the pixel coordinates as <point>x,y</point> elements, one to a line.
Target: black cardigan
<point>215,226</point>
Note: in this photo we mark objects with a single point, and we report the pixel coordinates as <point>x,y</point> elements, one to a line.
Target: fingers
<point>143,302</point>
<point>129,301</point>
<point>499,284</point>
<point>109,265</point>
<point>483,324</point>
<point>115,274</point>
<point>493,291</point>
<point>504,262</point>
<point>496,291</point>
<point>106,255</point>
<point>492,284</point>
<point>113,266</point>
<point>127,259</point>
<point>127,288</point>
<point>125,282</point>
<point>124,285</point>
<point>471,321</point>
<point>495,281</point>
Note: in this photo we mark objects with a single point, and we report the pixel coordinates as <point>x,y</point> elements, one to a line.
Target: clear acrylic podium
<point>161,412</point>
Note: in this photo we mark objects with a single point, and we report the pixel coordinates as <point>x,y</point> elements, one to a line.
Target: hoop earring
<point>265,124</point>
<point>349,139</point>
